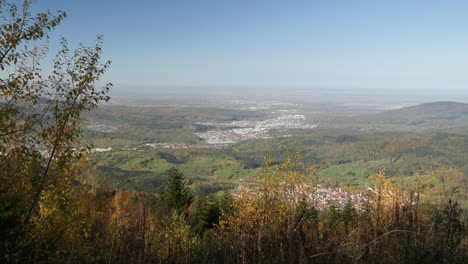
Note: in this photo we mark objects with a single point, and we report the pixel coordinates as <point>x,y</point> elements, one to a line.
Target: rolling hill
<point>435,115</point>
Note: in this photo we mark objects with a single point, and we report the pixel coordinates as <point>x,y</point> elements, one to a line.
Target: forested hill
<point>442,110</point>
<point>436,114</point>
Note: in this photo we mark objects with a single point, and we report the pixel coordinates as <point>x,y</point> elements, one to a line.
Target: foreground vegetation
<point>77,224</point>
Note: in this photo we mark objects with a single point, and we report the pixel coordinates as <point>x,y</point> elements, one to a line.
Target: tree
<point>208,212</point>
<point>176,195</point>
<point>40,117</point>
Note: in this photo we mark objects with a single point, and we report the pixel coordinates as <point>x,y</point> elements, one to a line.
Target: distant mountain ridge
<point>434,114</point>
<point>434,108</point>
<point>445,109</point>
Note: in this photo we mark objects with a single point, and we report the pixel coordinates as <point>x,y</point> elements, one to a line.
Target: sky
<point>154,45</point>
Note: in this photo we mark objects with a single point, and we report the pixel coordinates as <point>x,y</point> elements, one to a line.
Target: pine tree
<point>176,195</point>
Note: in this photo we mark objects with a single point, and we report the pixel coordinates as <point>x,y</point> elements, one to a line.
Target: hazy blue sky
<point>402,45</point>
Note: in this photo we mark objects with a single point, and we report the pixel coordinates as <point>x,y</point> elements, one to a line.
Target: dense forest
<point>50,212</point>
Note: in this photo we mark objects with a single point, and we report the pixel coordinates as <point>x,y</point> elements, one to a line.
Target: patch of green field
<point>216,168</point>
<point>146,169</point>
<point>351,174</point>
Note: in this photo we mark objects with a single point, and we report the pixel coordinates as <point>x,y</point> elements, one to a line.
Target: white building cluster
<point>237,131</point>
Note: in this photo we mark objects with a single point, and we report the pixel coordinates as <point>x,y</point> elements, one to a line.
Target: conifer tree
<point>176,195</point>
